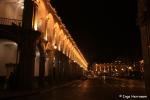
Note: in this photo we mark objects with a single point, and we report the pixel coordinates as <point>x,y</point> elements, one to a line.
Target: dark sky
<point>101,28</point>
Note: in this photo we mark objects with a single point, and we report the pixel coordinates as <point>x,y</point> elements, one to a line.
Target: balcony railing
<point>7,21</point>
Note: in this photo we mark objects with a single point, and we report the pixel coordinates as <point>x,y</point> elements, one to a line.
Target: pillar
<point>51,59</point>
<point>146,55</point>
<point>42,61</point>
<point>143,21</point>
<point>27,47</point>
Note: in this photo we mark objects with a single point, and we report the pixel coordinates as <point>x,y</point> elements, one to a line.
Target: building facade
<point>143,22</point>
<point>34,43</point>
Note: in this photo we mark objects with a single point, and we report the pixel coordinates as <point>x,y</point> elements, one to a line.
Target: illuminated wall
<point>8,53</point>
<point>54,31</point>
<point>40,18</point>
<point>11,9</point>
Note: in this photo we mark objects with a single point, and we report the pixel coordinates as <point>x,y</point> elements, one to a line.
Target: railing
<point>6,21</point>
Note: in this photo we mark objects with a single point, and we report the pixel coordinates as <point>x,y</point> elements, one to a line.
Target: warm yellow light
<point>141,62</point>
<point>37,1</point>
<point>22,7</point>
<point>55,47</point>
<point>20,4</point>
<point>45,37</point>
<point>35,26</point>
<point>130,68</point>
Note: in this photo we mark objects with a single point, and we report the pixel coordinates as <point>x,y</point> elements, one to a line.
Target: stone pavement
<point>10,94</point>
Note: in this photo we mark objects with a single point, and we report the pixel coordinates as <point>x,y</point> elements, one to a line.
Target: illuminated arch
<point>50,27</point>
<point>56,30</point>
<point>60,39</point>
<point>70,50</point>
<point>63,43</point>
<point>56,34</point>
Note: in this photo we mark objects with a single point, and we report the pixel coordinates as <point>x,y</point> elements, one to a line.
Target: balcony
<point>6,21</point>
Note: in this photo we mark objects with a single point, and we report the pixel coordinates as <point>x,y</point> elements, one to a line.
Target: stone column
<point>143,21</point>
<point>41,46</point>
<point>51,59</point>
<point>27,46</point>
<point>146,55</point>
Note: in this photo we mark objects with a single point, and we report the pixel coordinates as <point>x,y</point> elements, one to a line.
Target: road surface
<point>101,88</point>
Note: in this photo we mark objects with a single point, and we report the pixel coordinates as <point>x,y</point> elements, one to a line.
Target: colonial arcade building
<point>36,45</point>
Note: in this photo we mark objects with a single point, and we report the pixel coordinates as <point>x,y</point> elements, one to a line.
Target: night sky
<point>102,29</point>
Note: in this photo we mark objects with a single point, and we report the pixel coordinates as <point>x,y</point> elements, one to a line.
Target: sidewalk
<point>14,94</point>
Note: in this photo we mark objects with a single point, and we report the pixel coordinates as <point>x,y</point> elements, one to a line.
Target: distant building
<point>120,67</point>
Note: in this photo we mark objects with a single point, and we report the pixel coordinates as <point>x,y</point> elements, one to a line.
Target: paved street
<point>103,88</point>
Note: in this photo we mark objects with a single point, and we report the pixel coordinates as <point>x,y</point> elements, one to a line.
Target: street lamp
<point>130,68</point>
<point>122,69</point>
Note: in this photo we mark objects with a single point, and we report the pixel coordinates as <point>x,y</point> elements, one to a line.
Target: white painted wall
<point>8,53</point>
